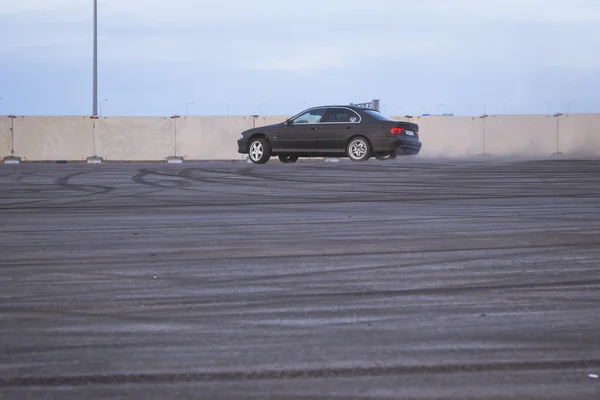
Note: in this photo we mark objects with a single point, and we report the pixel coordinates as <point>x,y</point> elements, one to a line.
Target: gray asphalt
<point>410,278</point>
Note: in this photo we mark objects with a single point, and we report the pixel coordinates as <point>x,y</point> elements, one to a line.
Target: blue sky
<point>279,56</point>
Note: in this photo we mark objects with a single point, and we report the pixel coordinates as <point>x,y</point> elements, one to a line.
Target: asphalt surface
<point>224,280</point>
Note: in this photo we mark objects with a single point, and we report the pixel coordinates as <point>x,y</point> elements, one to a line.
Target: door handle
<point>313,129</point>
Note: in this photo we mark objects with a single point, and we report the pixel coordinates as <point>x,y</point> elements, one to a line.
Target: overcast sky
<point>156,56</point>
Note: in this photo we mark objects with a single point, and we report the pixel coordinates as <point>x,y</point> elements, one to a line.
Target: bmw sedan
<point>331,131</point>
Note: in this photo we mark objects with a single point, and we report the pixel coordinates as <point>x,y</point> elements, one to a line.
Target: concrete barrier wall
<point>509,135</point>
<point>210,138</point>
<point>214,138</point>
<point>448,136</point>
<point>519,136</point>
<point>579,135</point>
<point>53,138</point>
<point>5,137</point>
<point>135,139</point>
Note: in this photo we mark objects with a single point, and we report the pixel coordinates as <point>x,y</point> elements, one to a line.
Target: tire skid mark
<point>287,374</point>
<point>419,251</point>
<point>141,178</point>
<point>64,182</point>
<point>411,198</point>
<point>445,290</point>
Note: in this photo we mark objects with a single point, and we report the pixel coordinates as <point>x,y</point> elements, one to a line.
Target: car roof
<point>353,107</point>
<point>357,109</point>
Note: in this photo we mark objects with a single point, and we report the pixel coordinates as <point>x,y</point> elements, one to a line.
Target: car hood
<point>262,129</point>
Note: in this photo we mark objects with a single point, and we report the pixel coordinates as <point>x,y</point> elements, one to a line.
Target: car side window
<point>340,115</point>
<point>310,117</point>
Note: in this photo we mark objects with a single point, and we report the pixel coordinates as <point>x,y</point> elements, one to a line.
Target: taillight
<point>396,131</point>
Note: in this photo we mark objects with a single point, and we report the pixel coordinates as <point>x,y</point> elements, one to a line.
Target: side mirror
<point>288,121</point>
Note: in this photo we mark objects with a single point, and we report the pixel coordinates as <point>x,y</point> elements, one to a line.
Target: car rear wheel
<point>386,156</point>
<point>358,149</point>
<point>288,159</point>
<point>259,151</point>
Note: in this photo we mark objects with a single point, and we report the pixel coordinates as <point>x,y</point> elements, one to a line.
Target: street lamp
<point>227,104</point>
<point>483,117</point>
<point>549,106</point>
<point>187,108</point>
<point>557,116</point>
<point>95,100</point>
<point>569,106</point>
<point>103,101</point>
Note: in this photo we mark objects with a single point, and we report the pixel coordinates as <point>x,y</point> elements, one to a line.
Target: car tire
<point>288,159</point>
<point>386,156</point>
<point>358,149</point>
<point>259,151</point>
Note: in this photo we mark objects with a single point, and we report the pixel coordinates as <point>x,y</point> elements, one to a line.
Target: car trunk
<point>404,129</point>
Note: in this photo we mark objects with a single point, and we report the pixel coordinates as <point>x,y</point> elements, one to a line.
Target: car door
<point>299,135</point>
<point>335,128</point>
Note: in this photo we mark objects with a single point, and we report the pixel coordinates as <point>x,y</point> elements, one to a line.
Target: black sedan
<point>331,131</point>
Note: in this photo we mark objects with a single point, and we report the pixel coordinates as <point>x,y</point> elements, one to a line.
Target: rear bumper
<point>408,147</point>
<point>400,146</point>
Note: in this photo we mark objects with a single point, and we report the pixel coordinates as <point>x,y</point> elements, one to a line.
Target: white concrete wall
<point>52,138</point>
<point>5,137</point>
<point>210,138</point>
<point>579,134</point>
<point>135,138</point>
<point>515,135</point>
<point>214,138</point>
<point>448,136</point>
<point>508,135</point>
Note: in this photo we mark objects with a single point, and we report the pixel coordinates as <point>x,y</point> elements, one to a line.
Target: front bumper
<point>242,146</point>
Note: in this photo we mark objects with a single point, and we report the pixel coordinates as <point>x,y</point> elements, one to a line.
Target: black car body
<point>331,131</point>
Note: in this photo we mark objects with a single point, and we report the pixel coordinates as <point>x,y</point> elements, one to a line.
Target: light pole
<point>103,101</point>
<point>227,105</point>
<point>95,111</point>
<point>187,108</point>
<point>483,117</point>
<point>569,106</point>
<point>549,106</point>
<point>557,116</point>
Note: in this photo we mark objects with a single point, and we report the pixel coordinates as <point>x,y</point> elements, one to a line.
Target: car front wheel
<point>358,149</point>
<point>259,151</point>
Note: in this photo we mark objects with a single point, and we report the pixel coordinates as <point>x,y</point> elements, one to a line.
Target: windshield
<point>378,115</point>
